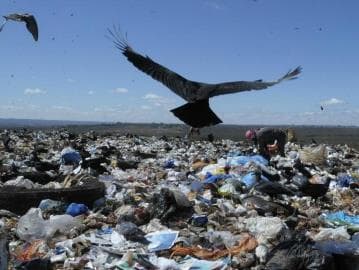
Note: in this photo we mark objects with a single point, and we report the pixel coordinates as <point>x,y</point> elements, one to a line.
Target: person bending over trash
<point>268,140</point>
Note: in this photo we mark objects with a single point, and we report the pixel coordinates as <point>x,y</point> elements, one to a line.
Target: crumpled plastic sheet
<point>342,218</point>
<point>161,240</point>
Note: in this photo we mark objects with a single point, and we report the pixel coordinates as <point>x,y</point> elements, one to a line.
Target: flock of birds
<point>196,112</point>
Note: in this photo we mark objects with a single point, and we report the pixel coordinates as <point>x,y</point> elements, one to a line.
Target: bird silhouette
<point>196,112</point>
<point>29,19</point>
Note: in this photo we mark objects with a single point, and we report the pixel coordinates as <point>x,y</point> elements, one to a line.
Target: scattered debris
<point>89,201</point>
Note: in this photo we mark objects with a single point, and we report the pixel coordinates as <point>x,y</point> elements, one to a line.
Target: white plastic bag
<point>32,226</point>
<point>315,155</point>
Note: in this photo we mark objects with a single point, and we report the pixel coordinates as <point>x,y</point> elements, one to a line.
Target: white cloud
<point>70,80</point>
<point>307,113</point>
<point>120,90</point>
<point>332,101</point>
<point>91,92</point>
<point>158,101</point>
<point>151,96</point>
<point>34,91</point>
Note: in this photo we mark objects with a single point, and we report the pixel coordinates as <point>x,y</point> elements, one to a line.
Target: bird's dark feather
<point>197,114</point>
<point>31,25</point>
<point>240,86</point>
<point>178,84</point>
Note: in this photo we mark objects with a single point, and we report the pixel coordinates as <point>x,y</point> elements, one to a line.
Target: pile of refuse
<point>91,201</point>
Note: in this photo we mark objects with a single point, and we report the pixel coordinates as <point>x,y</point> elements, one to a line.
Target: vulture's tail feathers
<point>197,114</point>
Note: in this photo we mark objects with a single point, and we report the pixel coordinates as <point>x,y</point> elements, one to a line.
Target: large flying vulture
<point>196,113</point>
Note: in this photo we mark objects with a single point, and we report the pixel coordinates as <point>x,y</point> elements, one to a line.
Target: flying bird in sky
<point>196,112</point>
<point>29,19</point>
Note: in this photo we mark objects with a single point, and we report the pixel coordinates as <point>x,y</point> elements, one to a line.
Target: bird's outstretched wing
<point>30,21</point>
<point>31,25</point>
<point>2,25</point>
<point>178,84</point>
<point>240,86</point>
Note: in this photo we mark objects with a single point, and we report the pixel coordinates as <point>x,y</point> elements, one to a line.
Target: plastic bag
<point>32,226</point>
<point>215,178</point>
<point>265,228</point>
<point>52,206</point>
<point>227,189</point>
<point>222,238</point>
<point>161,240</point>
<point>70,156</point>
<point>20,181</point>
<point>76,209</point>
<point>242,160</point>
<point>342,218</point>
<point>339,247</point>
<point>315,155</point>
<point>191,263</point>
<point>251,178</point>
<point>296,255</point>
<point>339,233</point>
<point>346,180</point>
<point>261,253</point>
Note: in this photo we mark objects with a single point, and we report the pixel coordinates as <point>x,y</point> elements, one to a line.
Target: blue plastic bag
<point>259,159</point>
<point>344,180</point>
<point>69,156</point>
<point>48,205</point>
<point>234,153</point>
<point>242,160</point>
<point>169,164</point>
<point>342,218</point>
<point>339,247</point>
<point>215,178</point>
<point>76,209</point>
<point>250,179</point>
<point>196,186</point>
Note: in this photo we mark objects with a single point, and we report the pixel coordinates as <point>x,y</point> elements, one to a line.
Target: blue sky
<point>74,73</point>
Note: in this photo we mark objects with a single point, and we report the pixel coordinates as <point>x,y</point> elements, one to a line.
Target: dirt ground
<point>305,134</point>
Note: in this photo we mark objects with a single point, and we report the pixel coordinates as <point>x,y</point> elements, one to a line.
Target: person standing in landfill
<point>6,140</point>
<point>268,140</point>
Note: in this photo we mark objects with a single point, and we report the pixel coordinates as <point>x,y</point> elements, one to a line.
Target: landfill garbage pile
<point>91,201</point>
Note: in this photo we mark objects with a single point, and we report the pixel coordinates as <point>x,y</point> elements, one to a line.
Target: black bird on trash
<point>29,19</point>
<point>196,112</point>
